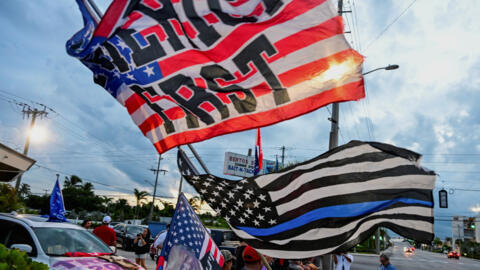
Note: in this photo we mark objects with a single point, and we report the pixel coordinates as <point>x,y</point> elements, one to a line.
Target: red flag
<point>258,153</point>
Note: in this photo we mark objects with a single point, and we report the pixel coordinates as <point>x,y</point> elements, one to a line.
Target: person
<point>141,247</point>
<point>342,261</point>
<point>158,244</point>
<point>252,259</point>
<point>87,224</point>
<point>106,233</point>
<point>385,263</point>
<point>228,259</point>
<point>239,263</point>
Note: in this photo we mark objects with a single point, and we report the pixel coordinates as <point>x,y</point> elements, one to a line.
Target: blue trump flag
<point>57,208</point>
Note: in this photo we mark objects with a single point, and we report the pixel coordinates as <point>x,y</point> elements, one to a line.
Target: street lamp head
<point>391,67</point>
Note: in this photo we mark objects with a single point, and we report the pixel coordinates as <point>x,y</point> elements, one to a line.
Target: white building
<point>466,228</point>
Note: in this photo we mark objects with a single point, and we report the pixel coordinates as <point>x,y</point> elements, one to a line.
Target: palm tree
<point>106,201</point>
<point>122,205</point>
<point>139,196</point>
<point>73,181</point>
<point>196,203</point>
<point>87,187</point>
<point>24,190</point>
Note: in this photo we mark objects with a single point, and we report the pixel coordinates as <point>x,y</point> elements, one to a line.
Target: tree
<point>168,209</point>
<point>73,181</point>
<point>196,203</point>
<point>437,242</point>
<point>139,196</point>
<point>80,197</point>
<point>40,203</point>
<point>8,199</point>
<point>107,201</point>
<point>24,191</point>
<point>87,186</point>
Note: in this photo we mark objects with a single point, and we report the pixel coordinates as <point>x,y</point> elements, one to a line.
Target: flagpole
<point>327,260</point>
<point>198,158</point>
<point>95,8</point>
<point>181,180</point>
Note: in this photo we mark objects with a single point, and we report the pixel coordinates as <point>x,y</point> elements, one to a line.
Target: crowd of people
<point>245,258</point>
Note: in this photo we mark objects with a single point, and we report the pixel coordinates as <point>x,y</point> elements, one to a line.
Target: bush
<point>15,259</point>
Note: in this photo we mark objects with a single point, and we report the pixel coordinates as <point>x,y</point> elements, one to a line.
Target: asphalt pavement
<point>421,260</point>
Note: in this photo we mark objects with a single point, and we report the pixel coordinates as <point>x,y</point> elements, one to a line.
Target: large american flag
<point>329,203</point>
<point>190,70</point>
<point>186,230</point>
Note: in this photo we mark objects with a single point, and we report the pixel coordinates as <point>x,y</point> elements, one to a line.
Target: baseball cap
<point>250,255</point>
<point>227,255</point>
<point>107,219</point>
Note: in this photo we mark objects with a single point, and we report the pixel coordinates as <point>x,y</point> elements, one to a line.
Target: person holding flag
<point>188,245</point>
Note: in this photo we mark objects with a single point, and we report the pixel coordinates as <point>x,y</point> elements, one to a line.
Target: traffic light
<point>471,223</point>
<point>443,198</point>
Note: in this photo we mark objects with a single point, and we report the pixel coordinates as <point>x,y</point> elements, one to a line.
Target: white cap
<point>107,219</point>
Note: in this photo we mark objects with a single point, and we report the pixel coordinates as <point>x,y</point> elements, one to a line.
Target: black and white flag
<point>329,203</point>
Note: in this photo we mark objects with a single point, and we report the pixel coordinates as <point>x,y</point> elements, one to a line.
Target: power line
<point>390,24</point>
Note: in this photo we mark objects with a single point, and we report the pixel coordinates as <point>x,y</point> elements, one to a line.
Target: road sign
<point>243,166</point>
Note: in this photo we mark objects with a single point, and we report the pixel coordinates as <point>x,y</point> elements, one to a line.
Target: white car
<point>60,245</point>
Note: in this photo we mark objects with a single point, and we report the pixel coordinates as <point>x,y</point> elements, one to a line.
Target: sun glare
<point>475,208</point>
<point>337,70</point>
<point>38,134</point>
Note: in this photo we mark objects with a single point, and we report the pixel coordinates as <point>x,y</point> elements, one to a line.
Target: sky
<point>428,105</point>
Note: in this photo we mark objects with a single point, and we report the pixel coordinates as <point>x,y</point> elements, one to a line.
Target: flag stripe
<point>238,37</point>
<point>313,182</point>
<point>426,182</point>
<point>346,210</point>
<point>422,229</point>
<point>359,197</point>
<point>338,167</point>
<point>353,91</point>
<point>345,225</point>
<point>355,239</point>
<point>351,150</point>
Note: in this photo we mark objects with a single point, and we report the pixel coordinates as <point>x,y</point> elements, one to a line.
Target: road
<point>419,260</point>
<point>131,256</point>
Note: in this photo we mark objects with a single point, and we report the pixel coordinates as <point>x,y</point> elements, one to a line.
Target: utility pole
<point>27,111</point>
<point>327,261</point>
<point>157,171</point>
<point>283,155</point>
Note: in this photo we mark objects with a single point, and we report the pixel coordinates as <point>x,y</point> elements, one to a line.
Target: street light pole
<point>389,67</point>
<point>35,112</point>
<point>157,171</point>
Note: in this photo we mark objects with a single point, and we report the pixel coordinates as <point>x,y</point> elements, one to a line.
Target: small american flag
<point>187,230</point>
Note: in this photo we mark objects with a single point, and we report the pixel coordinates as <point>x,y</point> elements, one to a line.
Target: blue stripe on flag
<point>337,211</point>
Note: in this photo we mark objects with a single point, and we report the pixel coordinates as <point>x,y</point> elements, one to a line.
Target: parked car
<point>126,234</point>
<point>60,245</point>
<point>454,255</point>
<point>225,239</point>
<point>114,223</point>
